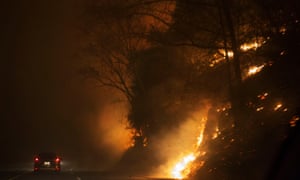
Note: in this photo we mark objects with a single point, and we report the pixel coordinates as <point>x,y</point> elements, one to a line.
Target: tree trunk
<point>236,91</point>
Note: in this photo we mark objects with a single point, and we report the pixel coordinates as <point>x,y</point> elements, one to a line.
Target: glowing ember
<point>259,109</point>
<point>283,30</point>
<point>263,96</point>
<point>277,106</point>
<point>293,121</point>
<point>216,133</point>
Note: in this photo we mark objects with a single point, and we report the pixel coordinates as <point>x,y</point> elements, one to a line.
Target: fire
<point>182,169</point>
<point>184,166</point>
<point>229,53</point>
<point>255,69</point>
<point>253,45</point>
<point>182,147</point>
<point>248,46</point>
<point>199,139</point>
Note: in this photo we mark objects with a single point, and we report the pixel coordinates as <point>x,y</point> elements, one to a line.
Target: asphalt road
<point>70,175</point>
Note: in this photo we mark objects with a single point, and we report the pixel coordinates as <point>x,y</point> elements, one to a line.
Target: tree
<point>117,35</point>
<point>219,28</point>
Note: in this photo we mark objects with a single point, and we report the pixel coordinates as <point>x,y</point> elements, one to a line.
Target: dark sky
<point>39,99</point>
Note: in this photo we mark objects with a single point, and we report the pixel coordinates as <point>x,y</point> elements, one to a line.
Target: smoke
<point>113,131</point>
<point>106,127</point>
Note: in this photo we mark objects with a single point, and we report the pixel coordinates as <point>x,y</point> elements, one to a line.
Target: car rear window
<point>47,155</point>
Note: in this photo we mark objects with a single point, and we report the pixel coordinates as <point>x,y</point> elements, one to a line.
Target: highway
<point>70,175</point>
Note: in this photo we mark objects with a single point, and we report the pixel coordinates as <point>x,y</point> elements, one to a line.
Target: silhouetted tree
<point>117,34</point>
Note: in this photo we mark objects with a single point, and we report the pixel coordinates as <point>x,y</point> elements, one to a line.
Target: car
<point>48,161</point>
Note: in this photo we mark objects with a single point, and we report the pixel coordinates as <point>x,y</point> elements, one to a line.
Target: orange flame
<point>183,167</point>
<point>255,69</point>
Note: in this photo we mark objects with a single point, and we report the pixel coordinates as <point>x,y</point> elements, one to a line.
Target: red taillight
<point>57,160</point>
<point>36,159</point>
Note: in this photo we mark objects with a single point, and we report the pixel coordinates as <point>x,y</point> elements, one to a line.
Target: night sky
<point>40,89</point>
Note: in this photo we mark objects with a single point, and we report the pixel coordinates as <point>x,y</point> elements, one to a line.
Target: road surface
<point>70,175</point>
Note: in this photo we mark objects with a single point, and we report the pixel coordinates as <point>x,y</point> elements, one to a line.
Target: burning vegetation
<point>200,85</point>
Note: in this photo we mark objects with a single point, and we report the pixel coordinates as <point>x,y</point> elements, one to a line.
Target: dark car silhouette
<point>47,162</point>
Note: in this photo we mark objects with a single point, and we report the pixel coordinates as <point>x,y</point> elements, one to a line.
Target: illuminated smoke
<point>111,131</point>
